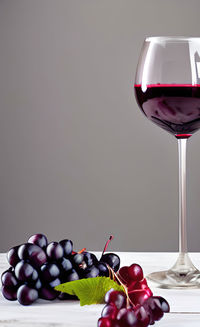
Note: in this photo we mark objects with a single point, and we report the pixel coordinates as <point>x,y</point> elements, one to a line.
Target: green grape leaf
<point>89,290</point>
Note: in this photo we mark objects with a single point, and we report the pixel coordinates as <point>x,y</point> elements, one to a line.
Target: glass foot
<point>182,275</point>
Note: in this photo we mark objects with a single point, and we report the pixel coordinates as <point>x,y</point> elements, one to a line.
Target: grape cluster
<point>116,313</point>
<point>137,307</point>
<point>38,266</point>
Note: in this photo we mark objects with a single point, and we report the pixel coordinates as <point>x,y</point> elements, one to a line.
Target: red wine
<point>173,107</point>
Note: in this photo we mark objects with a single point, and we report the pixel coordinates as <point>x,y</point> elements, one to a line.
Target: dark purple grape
<point>91,272</point>
<point>103,269</point>
<point>35,282</point>
<point>33,253</point>
<point>47,293</point>
<point>65,296</point>
<point>54,251</point>
<point>25,272</point>
<point>38,239</point>
<point>26,295</point>
<point>11,269</point>
<point>90,259</point>
<point>127,317</point>
<point>8,279</point>
<point>72,276</point>
<point>49,271</point>
<point>35,275</point>
<point>12,256</point>
<point>67,246</point>
<point>55,282</point>
<point>10,293</point>
<point>38,284</point>
<point>112,260</point>
<point>77,259</point>
<point>66,265</point>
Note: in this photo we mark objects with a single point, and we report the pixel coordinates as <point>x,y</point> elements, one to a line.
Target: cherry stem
<point>116,277</point>
<point>107,243</point>
<point>81,251</point>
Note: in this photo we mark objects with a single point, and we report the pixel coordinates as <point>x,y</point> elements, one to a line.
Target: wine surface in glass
<point>173,107</point>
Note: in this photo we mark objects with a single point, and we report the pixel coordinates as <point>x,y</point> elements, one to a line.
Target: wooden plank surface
<point>185,304</point>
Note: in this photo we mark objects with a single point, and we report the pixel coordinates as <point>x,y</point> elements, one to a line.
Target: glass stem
<point>182,144</point>
<point>183,264</point>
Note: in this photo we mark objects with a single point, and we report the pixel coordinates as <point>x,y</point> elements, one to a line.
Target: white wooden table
<point>185,304</point>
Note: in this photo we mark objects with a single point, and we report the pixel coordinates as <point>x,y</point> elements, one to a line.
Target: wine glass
<point>167,90</point>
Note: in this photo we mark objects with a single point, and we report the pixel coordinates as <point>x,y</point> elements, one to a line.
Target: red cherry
<point>116,323</point>
<point>149,291</point>
<point>124,275</point>
<point>135,272</point>
<point>160,301</point>
<point>142,316</point>
<point>153,306</point>
<point>127,317</point>
<point>117,298</point>
<point>139,296</point>
<point>141,285</point>
<point>133,286</point>
<point>110,311</point>
<point>104,322</point>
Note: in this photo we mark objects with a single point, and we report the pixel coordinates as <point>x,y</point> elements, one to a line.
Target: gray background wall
<point>77,157</point>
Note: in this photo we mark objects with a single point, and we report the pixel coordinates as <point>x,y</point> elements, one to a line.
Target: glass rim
<point>171,38</point>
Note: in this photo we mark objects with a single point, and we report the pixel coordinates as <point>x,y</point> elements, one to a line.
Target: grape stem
<point>81,251</point>
<point>106,245</point>
<point>115,277</point>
